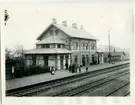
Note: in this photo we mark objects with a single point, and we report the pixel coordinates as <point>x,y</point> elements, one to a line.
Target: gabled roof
<point>71,32</point>
<point>48,51</point>
<point>51,39</point>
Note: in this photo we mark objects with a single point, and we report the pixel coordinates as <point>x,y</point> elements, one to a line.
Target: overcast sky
<point>27,21</point>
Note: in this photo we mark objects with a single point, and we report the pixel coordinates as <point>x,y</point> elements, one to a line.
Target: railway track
<point>118,89</point>
<point>41,87</point>
<point>90,86</point>
<point>127,94</point>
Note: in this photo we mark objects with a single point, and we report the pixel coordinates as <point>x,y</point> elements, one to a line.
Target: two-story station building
<point>60,44</point>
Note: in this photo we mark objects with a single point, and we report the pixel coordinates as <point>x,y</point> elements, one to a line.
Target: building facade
<point>60,44</point>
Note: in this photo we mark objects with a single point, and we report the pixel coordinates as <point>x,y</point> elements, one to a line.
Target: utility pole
<point>109,45</point>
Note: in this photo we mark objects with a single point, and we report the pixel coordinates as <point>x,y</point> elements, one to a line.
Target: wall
<point>80,51</point>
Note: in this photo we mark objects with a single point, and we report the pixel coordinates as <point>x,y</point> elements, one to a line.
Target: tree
<point>8,53</point>
<point>19,51</point>
<point>19,55</point>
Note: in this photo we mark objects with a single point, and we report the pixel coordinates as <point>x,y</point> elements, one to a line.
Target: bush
<point>19,69</point>
<point>34,69</point>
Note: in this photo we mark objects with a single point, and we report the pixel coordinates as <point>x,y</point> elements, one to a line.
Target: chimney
<point>64,23</point>
<point>54,20</point>
<point>81,26</point>
<point>74,25</point>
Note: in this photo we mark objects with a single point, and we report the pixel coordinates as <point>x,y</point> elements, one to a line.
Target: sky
<point>28,20</point>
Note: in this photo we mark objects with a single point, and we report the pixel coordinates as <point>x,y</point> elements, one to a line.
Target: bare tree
<point>19,51</point>
<point>8,53</point>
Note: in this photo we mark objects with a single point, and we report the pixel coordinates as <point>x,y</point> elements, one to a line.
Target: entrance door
<point>83,60</point>
<point>93,59</point>
<point>61,61</point>
<point>66,59</point>
<point>87,59</point>
<point>45,61</point>
<point>75,59</point>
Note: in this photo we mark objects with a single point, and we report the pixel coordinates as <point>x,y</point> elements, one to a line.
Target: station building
<point>59,44</point>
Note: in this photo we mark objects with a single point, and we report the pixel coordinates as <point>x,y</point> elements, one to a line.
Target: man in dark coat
<point>70,68</point>
<point>73,68</point>
<point>66,66</point>
<point>86,68</point>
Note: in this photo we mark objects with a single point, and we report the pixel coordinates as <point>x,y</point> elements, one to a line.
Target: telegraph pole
<point>109,55</point>
<point>109,45</point>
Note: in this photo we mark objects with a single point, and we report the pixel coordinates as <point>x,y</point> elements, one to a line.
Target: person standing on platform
<point>77,68</point>
<point>66,66</point>
<point>52,71</point>
<point>73,68</point>
<point>70,68</point>
<point>86,68</point>
<point>80,69</point>
<point>13,71</point>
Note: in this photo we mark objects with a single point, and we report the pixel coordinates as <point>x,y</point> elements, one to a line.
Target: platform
<point>38,78</point>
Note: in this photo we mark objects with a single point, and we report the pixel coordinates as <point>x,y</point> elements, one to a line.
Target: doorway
<point>61,61</point>
<point>83,60</point>
<point>93,59</point>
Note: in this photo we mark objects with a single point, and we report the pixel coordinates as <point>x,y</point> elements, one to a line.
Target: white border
<point>63,100</point>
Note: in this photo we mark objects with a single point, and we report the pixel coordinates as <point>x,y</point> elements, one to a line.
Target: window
<point>83,45</point>
<point>42,46</point>
<point>63,46</point>
<point>29,60</point>
<point>74,45</point>
<point>53,45</point>
<point>38,46</point>
<point>86,46</point>
<point>92,46</point>
<point>56,32</point>
<point>58,45</point>
<point>75,59</point>
<point>77,46</point>
<point>40,61</point>
<point>66,59</point>
<point>47,46</point>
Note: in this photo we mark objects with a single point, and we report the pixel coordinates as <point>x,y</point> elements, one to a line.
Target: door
<point>93,59</point>
<point>66,59</point>
<point>46,61</point>
<point>61,61</point>
<point>75,59</point>
<point>83,60</point>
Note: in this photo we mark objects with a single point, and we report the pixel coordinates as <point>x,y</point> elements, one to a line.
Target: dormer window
<point>47,46</point>
<point>63,46</point>
<point>56,32</point>
<point>43,46</point>
<point>59,45</point>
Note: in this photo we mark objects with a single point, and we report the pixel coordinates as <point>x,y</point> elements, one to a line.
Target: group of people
<point>74,68</point>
